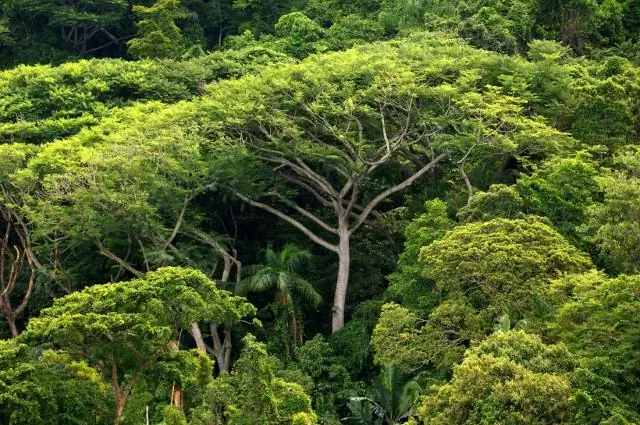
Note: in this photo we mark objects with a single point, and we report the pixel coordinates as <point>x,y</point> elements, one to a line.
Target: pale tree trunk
<point>222,347</point>
<point>197,336</point>
<point>11,320</point>
<point>342,281</point>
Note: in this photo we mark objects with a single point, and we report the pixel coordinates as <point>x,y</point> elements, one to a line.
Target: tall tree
<point>340,138</point>
<point>125,329</point>
<point>280,271</point>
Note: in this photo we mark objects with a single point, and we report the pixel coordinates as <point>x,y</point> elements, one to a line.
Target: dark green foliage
<point>601,324</point>
<point>48,388</point>
<point>332,385</point>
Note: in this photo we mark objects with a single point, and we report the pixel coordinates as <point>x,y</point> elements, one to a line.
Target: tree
<point>88,25</point>
<point>562,189</point>
<point>511,377</point>
<point>407,284</point>
<point>299,33</point>
<point>334,137</point>
<point>19,265</point>
<point>159,36</point>
<point>392,401</point>
<point>253,394</point>
<point>332,384</point>
<point>125,329</point>
<point>281,272</point>
<point>600,322</point>
<point>48,388</point>
<point>613,225</point>
<point>476,273</point>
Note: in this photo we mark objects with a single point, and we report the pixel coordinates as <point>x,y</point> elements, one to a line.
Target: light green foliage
<point>42,103</point>
<point>511,377</point>
<point>479,271</point>
<point>501,265</point>
<point>601,323</point>
<point>252,394</point>
<point>501,201</point>
<point>562,189</point>
<point>173,416</point>
<point>404,339</point>
<point>48,388</point>
<point>613,225</point>
<point>408,284</point>
<point>159,36</point>
<point>126,328</point>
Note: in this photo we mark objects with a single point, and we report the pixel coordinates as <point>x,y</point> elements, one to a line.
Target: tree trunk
<point>222,347</point>
<point>197,336</point>
<point>340,297</point>
<point>11,320</point>
<point>121,400</point>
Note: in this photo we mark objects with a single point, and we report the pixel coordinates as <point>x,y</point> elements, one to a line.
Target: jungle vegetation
<point>238,212</point>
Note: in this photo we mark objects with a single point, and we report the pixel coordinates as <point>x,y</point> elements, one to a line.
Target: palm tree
<point>392,403</point>
<point>280,272</point>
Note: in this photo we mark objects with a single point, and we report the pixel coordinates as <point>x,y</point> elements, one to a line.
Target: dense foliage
<point>319,212</point>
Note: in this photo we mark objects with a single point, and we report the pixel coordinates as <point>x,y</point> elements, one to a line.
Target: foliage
<point>48,388</point>
<point>160,36</point>
<point>392,400</point>
<point>439,186</point>
<point>480,271</point>
<point>612,225</point>
<point>253,394</point>
<point>511,377</point>
<point>332,384</point>
<point>600,323</point>
<point>127,328</point>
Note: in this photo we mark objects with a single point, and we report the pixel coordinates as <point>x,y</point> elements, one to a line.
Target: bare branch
<point>295,223</point>
<point>110,255</point>
<point>305,213</point>
<point>467,182</point>
<point>406,183</point>
<point>176,228</point>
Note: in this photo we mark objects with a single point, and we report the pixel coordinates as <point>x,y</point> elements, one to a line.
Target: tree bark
<point>121,400</point>
<point>222,347</point>
<point>11,320</point>
<point>197,336</point>
<point>342,281</point>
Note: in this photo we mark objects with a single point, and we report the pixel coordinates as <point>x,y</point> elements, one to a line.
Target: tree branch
<point>305,213</point>
<point>406,183</point>
<point>295,223</point>
<point>110,255</point>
